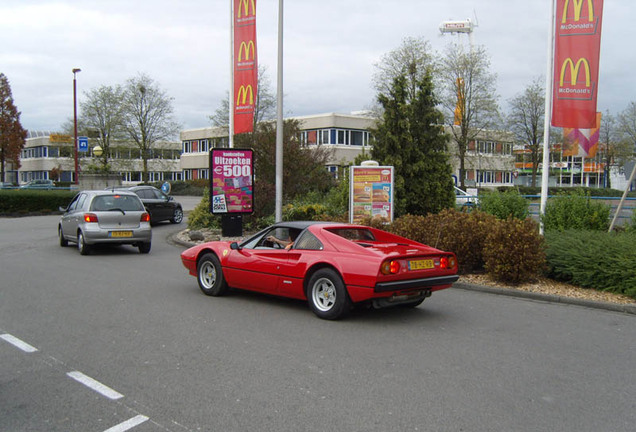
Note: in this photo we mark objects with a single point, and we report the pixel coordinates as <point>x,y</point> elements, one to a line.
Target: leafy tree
<point>148,116</point>
<point>468,96</point>
<point>304,166</point>
<point>12,135</point>
<point>410,137</point>
<point>526,119</point>
<point>102,114</point>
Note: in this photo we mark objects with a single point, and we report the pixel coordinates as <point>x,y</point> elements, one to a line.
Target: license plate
<point>421,264</point>
<point>121,233</point>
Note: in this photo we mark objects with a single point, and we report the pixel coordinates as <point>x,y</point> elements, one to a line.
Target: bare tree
<point>12,135</point>
<point>468,96</point>
<point>148,116</point>
<point>627,129</point>
<point>102,114</point>
<point>412,60</point>
<point>526,119</point>
<point>265,108</point>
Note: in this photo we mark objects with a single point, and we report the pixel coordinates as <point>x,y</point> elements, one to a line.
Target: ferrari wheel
<point>210,276</point>
<point>327,295</point>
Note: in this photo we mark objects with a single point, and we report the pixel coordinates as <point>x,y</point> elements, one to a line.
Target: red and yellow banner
<point>582,142</point>
<point>245,65</point>
<point>576,63</point>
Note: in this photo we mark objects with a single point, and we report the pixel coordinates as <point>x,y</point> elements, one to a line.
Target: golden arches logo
<point>242,95</point>
<point>245,49</point>
<point>244,6</point>
<point>578,7</point>
<point>574,71</point>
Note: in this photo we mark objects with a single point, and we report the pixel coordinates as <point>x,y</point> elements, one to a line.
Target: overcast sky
<point>330,48</point>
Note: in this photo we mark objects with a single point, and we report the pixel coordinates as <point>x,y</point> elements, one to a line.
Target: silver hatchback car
<point>104,216</point>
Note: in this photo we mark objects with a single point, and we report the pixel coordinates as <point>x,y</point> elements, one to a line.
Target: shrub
<point>450,230</point>
<point>306,212</point>
<point>514,251</point>
<point>576,211</point>
<point>503,205</point>
<point>592,259</point>
<point>25,201</point>
<point>200,216</point>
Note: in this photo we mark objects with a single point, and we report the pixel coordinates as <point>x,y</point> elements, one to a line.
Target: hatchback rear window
<point>116,202</point>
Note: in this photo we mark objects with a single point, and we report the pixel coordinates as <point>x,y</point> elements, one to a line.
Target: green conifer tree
<point>411,138</point>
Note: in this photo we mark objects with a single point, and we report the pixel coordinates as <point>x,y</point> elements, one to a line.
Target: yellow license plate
<point>121,233</point>
<point>421,264</point>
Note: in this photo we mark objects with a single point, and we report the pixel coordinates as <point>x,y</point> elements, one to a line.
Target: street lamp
<point>98,151</point>
<point>75,71</point>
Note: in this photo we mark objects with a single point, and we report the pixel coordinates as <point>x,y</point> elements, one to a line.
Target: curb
<point>624,308</point>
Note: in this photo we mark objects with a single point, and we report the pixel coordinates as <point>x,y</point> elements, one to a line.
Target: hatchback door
<point>117,212</point>
<point>73,216</point>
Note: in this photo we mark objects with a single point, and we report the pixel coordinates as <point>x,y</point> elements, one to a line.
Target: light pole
<point>75,71</point>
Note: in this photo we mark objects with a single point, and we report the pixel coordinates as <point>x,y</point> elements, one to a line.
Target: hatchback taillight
<point>145,217</point>
<point>90,217</point>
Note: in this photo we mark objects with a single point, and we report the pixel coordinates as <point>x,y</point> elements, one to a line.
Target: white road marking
<point>95,385</point>
<point>128,424</point>
<point>18,343</point>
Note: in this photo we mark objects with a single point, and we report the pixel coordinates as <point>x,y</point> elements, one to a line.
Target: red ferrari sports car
<point>331,265</point>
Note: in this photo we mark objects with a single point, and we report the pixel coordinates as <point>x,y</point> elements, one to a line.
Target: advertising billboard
<point>231,181</point>
<point>370,193</point>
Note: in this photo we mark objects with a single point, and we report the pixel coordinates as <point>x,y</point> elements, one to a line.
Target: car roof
<point>108,192</point>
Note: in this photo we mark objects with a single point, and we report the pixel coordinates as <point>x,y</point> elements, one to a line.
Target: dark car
<point>161,207</point>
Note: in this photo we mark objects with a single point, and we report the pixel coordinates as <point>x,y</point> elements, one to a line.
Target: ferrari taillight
<point>390,267</point>
<point>447,262</point>
<point>90,217</point>
<point>145,217</point>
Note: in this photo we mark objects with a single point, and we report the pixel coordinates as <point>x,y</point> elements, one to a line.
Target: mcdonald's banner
<point>245,65</point>
<point>582,142</point>
<point>576,63</point>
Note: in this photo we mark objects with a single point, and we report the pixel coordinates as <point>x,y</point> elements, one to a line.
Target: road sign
<point>82,144</point>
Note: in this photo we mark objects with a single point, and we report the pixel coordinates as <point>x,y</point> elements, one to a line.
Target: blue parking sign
<point>82,144</point>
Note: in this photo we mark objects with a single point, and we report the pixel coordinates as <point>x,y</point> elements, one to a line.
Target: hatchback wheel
<point>144,248</point>
<point>177,217</point>
<point>210,276</point>
<point>84,249</point>
<point>327,295</point>
<point>63,241</point>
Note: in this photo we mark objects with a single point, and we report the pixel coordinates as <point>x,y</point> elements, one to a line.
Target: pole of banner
<point>620,205</point>
<point>545,172</point>
<point>279,118</point>
<point>231,92</point>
